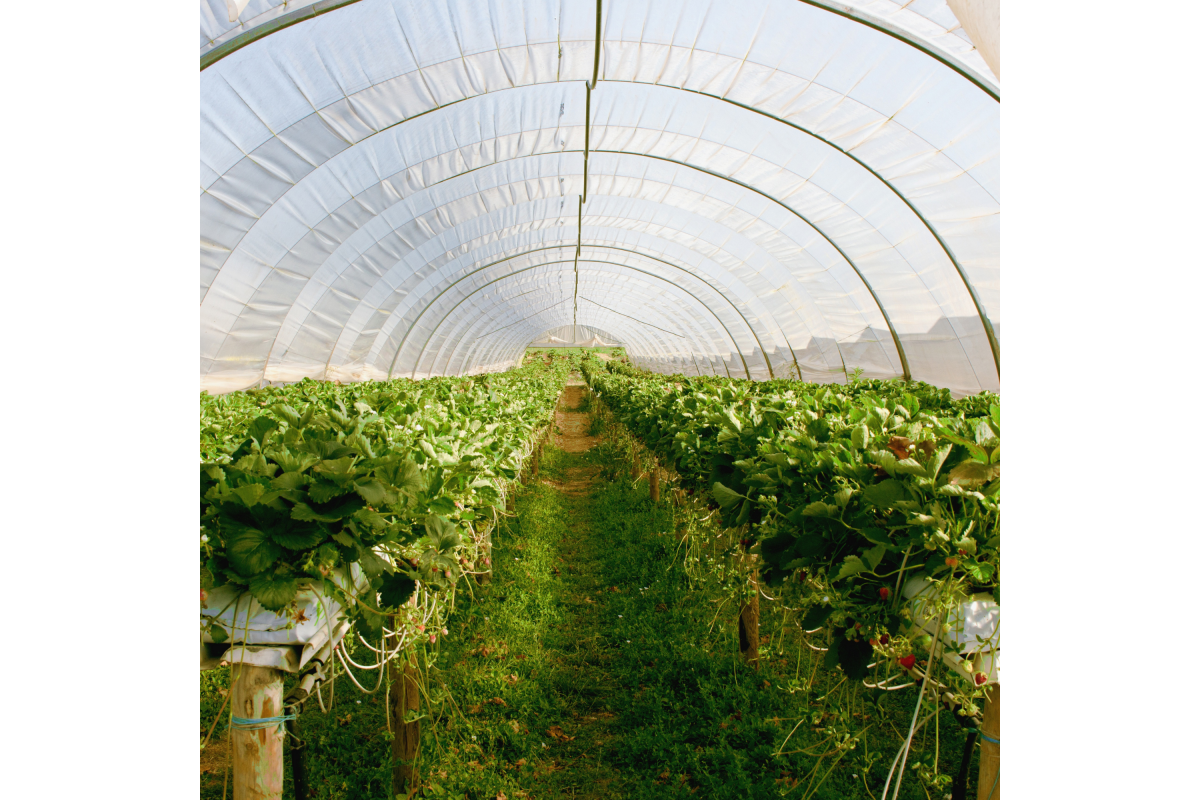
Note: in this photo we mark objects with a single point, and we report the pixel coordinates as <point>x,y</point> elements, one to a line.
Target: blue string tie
<point>987,738</point>
<point>259,723</point>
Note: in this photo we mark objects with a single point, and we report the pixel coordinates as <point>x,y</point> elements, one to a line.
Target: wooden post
<point>405,697</point>
<point>654,484</point>
<point>989,752</point>
<point>748,630</point>
<point>257,754</point>
<point>748,618</point>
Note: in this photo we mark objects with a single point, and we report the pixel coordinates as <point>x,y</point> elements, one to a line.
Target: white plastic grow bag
<point>264,638</point>
<point>974,624</point>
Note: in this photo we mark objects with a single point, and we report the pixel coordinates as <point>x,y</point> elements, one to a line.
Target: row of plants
<point>395,482</point>
<point>842,494</point>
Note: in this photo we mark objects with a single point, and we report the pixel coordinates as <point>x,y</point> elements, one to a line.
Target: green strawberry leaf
<point>886,493</point>
<point>249,493</point>
<point>816,617</point>
<point>397,588</point>
<point>875,555</point>
<point>853,656</point>
<point>302,512</point>
<point>373,491</point>
<point>726,497</point>
<point>250,550</point>
<point>274,591</point>
<point>853,565</point>
<point>298,537</point>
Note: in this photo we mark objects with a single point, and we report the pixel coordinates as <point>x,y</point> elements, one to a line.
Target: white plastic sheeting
<point>773,188</point>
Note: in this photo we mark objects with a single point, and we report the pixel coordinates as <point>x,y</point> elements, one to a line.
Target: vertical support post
<point>748,618</point>
<point>299,768</point>
<point>989,752</point>
<point>405,697</point>
<point>257,753</point>
<point>654,483</point>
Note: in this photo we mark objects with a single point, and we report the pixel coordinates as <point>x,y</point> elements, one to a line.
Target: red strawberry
<point>951,562</point>
<point>802,575</point>
<point>884,639</point>
<point>884,592</point>
<point>873,642</point>
<point>980,678</point>
<point>908,661</point>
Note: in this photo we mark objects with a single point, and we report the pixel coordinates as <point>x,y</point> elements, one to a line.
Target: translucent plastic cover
<point>760,189</point>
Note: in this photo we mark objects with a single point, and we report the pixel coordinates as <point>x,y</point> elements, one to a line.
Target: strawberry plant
<point>845,491</point>
<point>396,480</point>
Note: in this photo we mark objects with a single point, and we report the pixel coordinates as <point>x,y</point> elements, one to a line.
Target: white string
<point>912,727</point>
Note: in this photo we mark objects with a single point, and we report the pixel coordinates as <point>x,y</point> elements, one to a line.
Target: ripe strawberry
<point>884,639</point>
<point>951,562</point>
<point>907,661</point>
<point>980,678</point>
<point>884,592</point>
<point>872,642</point>
<point>802,575</point>
<point>421,628</point>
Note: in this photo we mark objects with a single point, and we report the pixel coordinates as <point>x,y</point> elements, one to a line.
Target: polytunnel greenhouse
<point>600,398</point>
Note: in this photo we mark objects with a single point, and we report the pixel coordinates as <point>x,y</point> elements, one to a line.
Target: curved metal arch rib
<point>429,305</point>
<point>505,343</point>
<point>464,328</point>
<point>514,341</point>
<point>879,304</point>
<point>899,347</point>
<point>511,341</point>
<point>895,338</point>
<point>476,322</point>
<point>518,341</point>
<point>421,353</point>
<point>855,15</point>
<point>984,319</point>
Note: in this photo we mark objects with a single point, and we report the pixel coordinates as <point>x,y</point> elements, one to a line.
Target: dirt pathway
<point>571,424</point>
